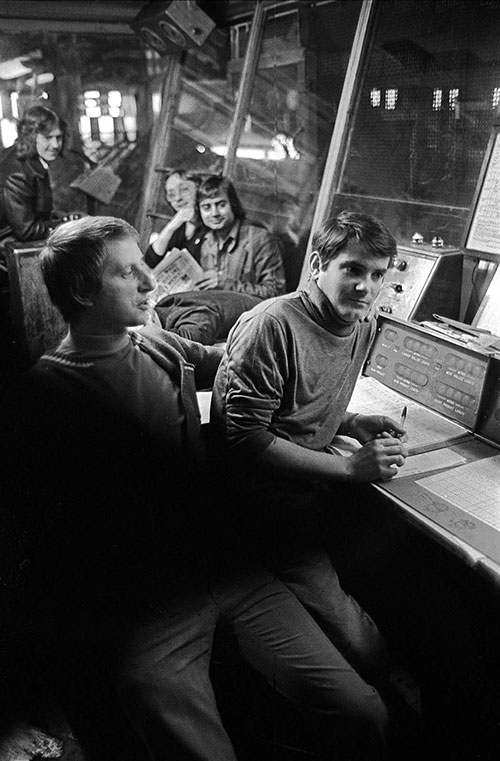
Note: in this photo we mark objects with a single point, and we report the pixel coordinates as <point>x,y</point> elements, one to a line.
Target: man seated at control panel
<point>280,398</point>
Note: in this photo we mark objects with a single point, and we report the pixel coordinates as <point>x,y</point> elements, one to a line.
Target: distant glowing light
<point>85,129</point>
<point>114,98</point>
<point>375,97</point>
<point>8,132</point>
<point>257,154</point>
<point>437,99</point>
<point>391,98</point>
<point>156,102</point>
<point>453,98</point>
<point>14,99</point>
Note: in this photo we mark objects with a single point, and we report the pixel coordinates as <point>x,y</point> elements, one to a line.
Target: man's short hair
<point>338,231</point>
<point>216,184</point>
<point>74,256</point>
<point>36,120</point>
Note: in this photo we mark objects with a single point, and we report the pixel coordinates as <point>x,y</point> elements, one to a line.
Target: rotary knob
<point>400,264</point>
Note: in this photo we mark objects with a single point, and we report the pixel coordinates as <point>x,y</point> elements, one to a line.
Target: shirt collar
<point>36,165</point>
<point>231,240</point>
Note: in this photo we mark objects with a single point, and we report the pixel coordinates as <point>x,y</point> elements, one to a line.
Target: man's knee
<point>356,730</point>
<point>368,713</point>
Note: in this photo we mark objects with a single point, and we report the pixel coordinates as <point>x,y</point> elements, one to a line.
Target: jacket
<point>25,197</point>
<point>248,262</point>
<point>101,511</point>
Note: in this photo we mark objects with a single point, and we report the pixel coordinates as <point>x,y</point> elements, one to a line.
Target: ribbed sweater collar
<point>94,346</point>
<point>322,312</point>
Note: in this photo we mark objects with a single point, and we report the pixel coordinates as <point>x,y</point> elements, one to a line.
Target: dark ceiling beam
<point>121,12</point>
<point>69,15</point>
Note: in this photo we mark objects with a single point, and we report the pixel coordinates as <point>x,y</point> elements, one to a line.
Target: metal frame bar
<point>343,123</point>
<point>160,140</point>
<point>246,86</point>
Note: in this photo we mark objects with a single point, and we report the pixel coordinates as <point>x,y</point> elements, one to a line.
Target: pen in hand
<point>402,421</point>
<point>403,417</point>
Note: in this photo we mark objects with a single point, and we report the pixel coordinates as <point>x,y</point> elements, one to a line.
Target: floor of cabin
<point>261,727</point>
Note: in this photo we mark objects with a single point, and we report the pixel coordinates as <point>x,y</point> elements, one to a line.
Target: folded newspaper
<point>178,271</point>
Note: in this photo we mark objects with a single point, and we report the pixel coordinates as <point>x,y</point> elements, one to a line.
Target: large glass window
<point>424,116</point>
<point>286,133</point>
<point>99,84</point>
<point>203,115</point>
<point>299,80</point>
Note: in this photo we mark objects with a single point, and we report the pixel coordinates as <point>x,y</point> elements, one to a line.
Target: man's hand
<point>377,460</point>
<point>365,428</point>
<point>207,280</point>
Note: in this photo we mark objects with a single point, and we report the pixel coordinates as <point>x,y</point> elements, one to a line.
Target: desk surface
<point>452,492</point>
<point>466,526</point>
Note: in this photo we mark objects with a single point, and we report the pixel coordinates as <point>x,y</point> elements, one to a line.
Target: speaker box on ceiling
<point>166,26</point>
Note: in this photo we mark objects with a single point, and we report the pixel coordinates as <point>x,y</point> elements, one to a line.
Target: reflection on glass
<point>205,107</point>
<point>424,117</point>
<point>299,81</point>
<point>94,83</point>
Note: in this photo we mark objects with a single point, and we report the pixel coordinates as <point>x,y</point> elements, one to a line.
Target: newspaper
<point>177,272</point>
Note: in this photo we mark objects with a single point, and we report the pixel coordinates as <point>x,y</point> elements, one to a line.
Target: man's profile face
<point>216,212</point>
<point>49,146</point>
<point>127,282</point>
<point>351,281</point>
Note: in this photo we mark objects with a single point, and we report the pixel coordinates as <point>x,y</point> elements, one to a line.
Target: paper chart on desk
<point>423,426</point>
<point>474,488</point>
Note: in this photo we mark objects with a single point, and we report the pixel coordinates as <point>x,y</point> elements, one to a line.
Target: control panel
<point>489,420</point>
<point>422,281</point>
<point>439,372</point>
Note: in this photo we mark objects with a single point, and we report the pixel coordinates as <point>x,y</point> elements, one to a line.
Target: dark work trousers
<point>290,540</point>
<point>162,671</point>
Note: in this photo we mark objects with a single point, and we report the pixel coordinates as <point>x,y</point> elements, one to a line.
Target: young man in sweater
<point>279,399</point>
<point>128,557</point>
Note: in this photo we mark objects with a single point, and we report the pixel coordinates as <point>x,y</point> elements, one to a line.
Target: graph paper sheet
<point>425,428</point>
<point>474,488</point>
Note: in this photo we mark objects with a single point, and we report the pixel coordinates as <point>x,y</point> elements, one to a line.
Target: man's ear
<point>314,265</point>
<point>85,300</point>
